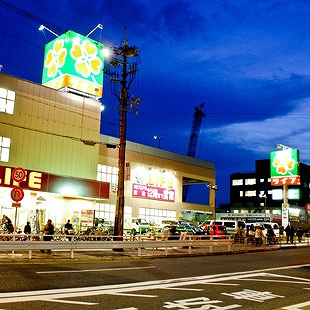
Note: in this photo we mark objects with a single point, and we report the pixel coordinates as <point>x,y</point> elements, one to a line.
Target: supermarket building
<point>71,169</point>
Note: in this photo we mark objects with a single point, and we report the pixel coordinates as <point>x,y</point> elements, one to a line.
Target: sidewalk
<point>128,254</point>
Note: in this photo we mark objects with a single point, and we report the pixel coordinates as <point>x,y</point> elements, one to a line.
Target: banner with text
<point>153,192</point>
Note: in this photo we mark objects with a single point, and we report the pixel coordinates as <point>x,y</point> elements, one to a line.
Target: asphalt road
<point>258,280</point>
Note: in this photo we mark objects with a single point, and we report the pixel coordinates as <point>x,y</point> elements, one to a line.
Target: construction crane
<point>198,115</point>
<point>192,145</point>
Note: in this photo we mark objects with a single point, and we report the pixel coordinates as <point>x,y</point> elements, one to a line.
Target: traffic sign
<point>17,194</point>
<point>18,174</point>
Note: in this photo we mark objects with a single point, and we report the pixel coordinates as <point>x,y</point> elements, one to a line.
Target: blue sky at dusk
<point>247,60</point>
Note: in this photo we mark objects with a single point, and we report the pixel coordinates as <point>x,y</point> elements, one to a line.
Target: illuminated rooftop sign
<point>284,167</point>
<point>74,63</point>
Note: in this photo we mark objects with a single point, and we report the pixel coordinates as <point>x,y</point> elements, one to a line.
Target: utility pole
<point>123,74</point>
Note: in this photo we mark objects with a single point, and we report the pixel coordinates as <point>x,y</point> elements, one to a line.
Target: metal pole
<point>265,207</point>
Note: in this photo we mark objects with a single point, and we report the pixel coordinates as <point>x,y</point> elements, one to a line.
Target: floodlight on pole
<point>283,147</point>
<point>98,26</point>
<point>42,27</point>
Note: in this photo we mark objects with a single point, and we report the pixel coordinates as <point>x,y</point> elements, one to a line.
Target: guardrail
<point>137,244</point>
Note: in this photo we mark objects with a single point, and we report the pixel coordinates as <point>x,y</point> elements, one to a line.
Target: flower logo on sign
<point>55,58</point>
<point>284,164</point>
<point>86,60</point>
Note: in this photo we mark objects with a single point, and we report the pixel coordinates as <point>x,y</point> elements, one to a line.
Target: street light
<point>213,188</point>
<point>123,73</point>
<point>158,139</point>
<point>265,204</point>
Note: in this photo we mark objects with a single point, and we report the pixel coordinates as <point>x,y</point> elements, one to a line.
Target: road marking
<point>94,270</point>
<point>131,289</point>
<point>301,306</point>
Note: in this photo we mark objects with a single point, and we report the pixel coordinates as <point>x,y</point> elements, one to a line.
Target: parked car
<point>137,226</point>
<point>216,230</point>
<point>232,227</point>
<point>104,225</point>
<point>183,226</point>
<point>213,229</point>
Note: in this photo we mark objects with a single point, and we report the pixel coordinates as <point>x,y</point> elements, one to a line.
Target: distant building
<point>252,193</point>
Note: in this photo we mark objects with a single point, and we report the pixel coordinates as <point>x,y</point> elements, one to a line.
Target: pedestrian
<point>290,232</point>
<point>299,233</point>
<point>271,236</point>
<point>173,232</point>
<point>252,234</point>
<point>8,224</point>
<point>68,229</point>
<point>258,236</point>
<point>48,232</point>
<point>27,229</point>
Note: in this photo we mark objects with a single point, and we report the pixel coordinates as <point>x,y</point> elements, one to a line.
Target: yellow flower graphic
<point>55,58</point>
<point>284,163</point>
<point>85,55</point>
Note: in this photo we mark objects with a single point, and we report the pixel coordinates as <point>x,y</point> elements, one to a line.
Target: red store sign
<point>293,180</point>
<point>45,182</point>
<point>153,192</point>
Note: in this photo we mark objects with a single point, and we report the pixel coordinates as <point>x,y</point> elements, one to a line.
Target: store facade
<point>71,170</point>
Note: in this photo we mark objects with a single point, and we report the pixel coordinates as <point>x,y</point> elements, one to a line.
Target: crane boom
<point>191,151</point>
<point>197,120</point>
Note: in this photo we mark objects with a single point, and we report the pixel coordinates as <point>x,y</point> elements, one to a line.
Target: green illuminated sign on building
<point>284,167</point>
<point>75,62</point>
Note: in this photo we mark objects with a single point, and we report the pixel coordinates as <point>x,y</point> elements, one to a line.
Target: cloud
<point>178,19</point>
<point>262,137</point>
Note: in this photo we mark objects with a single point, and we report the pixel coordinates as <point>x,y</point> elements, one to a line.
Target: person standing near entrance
<point>69,230</point>
<point>27,229</point>
<point>48,232</point>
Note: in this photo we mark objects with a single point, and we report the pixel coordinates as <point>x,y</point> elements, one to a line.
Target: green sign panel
<point>75,62</point>
<point>284,167</point>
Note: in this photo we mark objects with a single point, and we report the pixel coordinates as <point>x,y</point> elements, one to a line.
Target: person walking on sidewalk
<point>299,233</point>
<point>290,232</point>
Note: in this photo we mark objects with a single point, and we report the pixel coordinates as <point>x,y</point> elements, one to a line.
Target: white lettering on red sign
<point>34,179</point>
<point>153,192</point>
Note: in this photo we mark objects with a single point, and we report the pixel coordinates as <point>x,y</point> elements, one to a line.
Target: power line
<point>27,14</point>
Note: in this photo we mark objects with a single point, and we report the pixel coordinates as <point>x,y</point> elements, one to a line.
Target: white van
<point>232,227</point>
<point>266,225</point>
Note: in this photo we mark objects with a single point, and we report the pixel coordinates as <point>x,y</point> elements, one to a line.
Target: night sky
<point>248,61</point>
